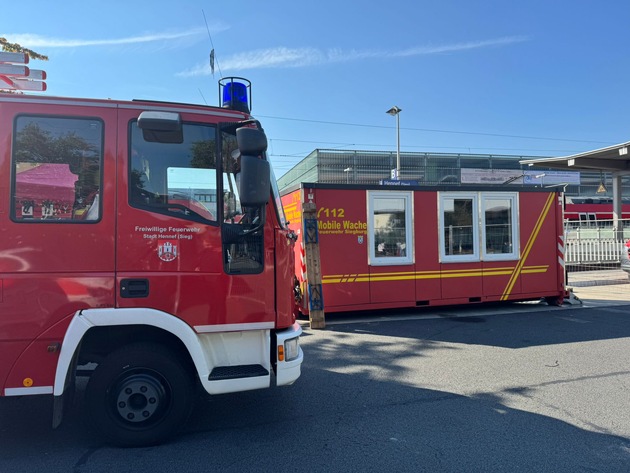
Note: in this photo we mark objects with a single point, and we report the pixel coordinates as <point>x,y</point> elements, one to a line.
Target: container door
<point>343,244</point>
<point>390,249</point>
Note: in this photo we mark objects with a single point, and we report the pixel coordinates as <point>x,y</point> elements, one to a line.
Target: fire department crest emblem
<point>168,251</point>
<point>360,239</point>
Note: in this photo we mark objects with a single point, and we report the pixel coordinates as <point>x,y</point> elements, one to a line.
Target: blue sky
<point>536,78</point>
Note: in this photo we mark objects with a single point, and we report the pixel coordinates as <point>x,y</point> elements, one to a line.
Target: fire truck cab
<point>143,244</point>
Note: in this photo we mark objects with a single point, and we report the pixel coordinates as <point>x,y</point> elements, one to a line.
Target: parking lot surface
<point>489,388</point>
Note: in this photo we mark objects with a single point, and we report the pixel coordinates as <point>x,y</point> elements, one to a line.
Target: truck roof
<point>133,104</point>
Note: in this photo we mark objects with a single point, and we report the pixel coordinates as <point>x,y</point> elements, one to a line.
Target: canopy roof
<point>612,159</point>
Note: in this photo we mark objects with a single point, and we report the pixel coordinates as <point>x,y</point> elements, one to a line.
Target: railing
<point>593,245</point>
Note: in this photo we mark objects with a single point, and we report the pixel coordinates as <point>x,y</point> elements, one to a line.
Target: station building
<point>334,166</point>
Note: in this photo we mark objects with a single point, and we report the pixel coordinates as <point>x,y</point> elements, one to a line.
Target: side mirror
<point>161,127</point>
<point>255,181</point>
<point>251,141</point>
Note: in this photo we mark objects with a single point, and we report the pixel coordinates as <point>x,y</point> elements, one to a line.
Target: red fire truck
<point>393,247</point>
<point>143,244</point>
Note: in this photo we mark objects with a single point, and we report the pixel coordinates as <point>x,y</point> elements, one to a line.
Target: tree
<point>16,48</point>
<point>203,154</point>
<point>35,145</point>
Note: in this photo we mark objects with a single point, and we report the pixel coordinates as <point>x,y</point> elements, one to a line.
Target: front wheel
<point>139,395</point>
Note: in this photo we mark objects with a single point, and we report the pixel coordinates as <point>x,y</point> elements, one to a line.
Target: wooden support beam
<point>310,239</point>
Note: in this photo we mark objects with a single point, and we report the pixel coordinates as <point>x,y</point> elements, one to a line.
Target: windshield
<point>276,197</point>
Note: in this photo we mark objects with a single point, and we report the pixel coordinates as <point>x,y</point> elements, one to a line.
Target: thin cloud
<point>283,57</point>
<point>263,59</point>
<point>461,46</point>
<point>38,41</point>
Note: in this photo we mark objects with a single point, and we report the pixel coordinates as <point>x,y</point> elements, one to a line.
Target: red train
<point>593,209</point>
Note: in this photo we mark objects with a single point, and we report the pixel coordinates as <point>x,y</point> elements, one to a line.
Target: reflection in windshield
<point>193,187</point>
<point>231,172</point>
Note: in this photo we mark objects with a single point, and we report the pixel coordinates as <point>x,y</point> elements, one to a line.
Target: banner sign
<point>516,176</point>
<point>390,182</point>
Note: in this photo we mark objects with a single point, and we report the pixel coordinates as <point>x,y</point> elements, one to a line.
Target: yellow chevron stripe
<point>530,243</point>
<point>535,269</point>
<point>421,274</point>
<point>416,275</point>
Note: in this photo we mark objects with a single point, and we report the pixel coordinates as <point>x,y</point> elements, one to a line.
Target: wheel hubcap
<point>140,396</point>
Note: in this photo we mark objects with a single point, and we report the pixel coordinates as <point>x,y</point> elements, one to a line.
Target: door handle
<point>130,288</point>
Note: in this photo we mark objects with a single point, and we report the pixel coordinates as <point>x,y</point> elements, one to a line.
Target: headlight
<point>292,349</point>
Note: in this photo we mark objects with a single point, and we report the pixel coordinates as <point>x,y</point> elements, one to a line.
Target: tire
<point>554,300</point>
<point>139,395</point>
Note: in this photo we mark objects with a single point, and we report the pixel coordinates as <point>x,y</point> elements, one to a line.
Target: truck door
<point>57,248</point>
<point>178,219</point>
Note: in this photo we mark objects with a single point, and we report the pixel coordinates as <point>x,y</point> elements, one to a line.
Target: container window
<point>459,227</point>
<point>476,226</point>
<point>500,223</point>
<point>390,228</point>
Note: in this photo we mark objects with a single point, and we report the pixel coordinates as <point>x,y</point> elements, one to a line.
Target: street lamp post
<point>394,111</point>
<point>347,171</point>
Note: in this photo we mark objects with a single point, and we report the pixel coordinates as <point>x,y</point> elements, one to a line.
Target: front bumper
<point>288,371</point>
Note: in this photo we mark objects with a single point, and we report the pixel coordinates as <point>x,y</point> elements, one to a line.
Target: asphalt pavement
<point>514,387</point>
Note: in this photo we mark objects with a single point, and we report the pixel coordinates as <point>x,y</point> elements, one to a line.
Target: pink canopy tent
<point>45,182</point>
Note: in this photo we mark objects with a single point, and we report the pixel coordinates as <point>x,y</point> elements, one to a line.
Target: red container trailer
<point>394,247</point>
<point>145,240</point>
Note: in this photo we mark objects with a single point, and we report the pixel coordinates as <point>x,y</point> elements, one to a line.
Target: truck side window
<point>57,164</point>
<point>177,179</point>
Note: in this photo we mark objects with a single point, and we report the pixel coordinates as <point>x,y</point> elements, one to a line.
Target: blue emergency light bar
<point>235,93</point>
